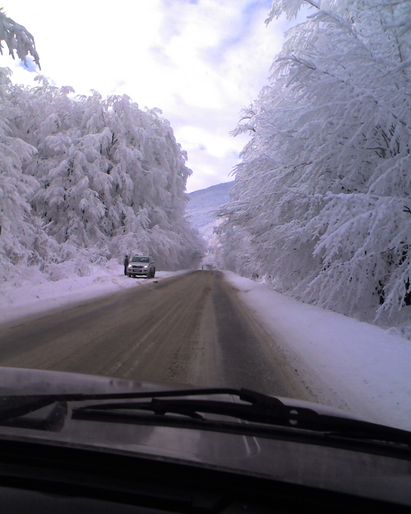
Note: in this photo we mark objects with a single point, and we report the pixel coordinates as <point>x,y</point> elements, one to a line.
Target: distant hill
<point>203,203</point>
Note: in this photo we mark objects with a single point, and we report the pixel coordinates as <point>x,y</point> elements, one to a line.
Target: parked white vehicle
<point>141,265</point>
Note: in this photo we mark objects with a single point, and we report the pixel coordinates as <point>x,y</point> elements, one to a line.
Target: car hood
<point>340,468</point>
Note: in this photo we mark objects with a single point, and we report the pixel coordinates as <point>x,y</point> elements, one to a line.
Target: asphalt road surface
<point>186,329</point>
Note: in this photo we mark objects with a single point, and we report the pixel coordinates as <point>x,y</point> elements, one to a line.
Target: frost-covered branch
<point>18,39</point>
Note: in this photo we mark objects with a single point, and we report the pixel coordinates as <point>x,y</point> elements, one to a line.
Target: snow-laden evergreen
<point>321,202</point>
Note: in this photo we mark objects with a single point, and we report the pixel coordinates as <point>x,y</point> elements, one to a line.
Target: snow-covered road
<point>186,329</point>
<point>343,362</point>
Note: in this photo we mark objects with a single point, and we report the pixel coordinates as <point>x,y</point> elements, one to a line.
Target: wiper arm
<point>261,409</point>
<point>265,411</point>
<point>14,408</point>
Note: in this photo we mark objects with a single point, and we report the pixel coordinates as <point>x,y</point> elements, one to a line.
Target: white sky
<point>199,61</point>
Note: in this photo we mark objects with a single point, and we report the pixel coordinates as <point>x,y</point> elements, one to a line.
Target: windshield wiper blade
<point>261,409</point>
<point>14,406</point>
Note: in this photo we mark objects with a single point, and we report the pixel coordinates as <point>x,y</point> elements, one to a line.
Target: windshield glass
<point>278,260</point>
<point>140,259</point>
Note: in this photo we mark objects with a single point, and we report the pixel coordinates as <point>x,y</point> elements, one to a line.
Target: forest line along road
<point>186,329</point>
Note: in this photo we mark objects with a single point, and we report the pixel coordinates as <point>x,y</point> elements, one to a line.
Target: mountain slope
<point>203,203</point>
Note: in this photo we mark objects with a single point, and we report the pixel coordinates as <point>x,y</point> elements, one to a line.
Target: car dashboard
<point>37,477</point>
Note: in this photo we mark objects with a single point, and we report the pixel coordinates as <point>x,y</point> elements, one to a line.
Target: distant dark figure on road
<point>126,261</point>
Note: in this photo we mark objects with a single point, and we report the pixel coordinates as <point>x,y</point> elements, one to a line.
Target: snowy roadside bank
<point>33,298</point>
<point>364,366</point>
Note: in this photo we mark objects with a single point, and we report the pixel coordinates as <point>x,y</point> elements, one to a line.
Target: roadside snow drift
<point>361,365</point>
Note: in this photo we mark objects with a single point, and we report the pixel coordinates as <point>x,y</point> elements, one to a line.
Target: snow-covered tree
<point>21,235</point>
<point>17,226</point>
<point>85,178</point>
<point>323,193</point>
<point>111,177</point>
<point>18,39</point>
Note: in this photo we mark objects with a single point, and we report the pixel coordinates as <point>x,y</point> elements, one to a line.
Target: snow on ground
<point>351,364</point>
<point>27,298</point>
<point>345,362</point>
